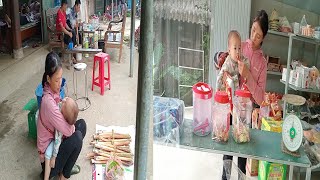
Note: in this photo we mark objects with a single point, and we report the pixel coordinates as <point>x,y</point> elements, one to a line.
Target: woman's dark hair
<point>53,63</point>
<point>263,20</point>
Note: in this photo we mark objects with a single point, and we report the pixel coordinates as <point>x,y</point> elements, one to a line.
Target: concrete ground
<point>18,153</point>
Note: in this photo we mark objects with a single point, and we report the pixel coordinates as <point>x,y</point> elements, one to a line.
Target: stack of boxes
<point>268,170</point>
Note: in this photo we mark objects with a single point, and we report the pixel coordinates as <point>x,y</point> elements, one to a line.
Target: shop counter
<point>263,145</point>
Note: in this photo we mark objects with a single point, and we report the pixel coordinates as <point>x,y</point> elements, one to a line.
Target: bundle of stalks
<point>108,145</point>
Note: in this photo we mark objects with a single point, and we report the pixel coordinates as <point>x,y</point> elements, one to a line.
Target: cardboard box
<point>293,79</point>
<point>252,167</point>
<point>303,75</point>
<point>268,124</point>
<point>269,170</point>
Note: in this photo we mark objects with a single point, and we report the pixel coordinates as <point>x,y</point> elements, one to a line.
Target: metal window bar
<point>160,90</point>
<point>186,67</point>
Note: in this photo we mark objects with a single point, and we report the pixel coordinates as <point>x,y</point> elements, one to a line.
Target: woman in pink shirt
<point>50,118</point>
<point>257,73</point>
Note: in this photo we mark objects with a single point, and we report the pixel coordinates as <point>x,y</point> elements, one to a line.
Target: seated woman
<point>51,119</point>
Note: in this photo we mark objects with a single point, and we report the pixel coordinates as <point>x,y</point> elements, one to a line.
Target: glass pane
<point>181,46</point>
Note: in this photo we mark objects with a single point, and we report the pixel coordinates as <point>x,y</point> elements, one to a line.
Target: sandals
<point>75,169</point>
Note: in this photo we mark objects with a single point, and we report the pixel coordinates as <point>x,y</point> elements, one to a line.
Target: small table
<point>263,145</point>
<point>88,32</point>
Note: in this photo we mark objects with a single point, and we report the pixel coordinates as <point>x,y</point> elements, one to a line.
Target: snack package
<point>313,76</point>
<point>256,123</point>
<point>284,25</point>
<point>114,171</point>
<point>276,111</point>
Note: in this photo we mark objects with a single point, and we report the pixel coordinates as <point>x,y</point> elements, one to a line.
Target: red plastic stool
<point>101,81</point>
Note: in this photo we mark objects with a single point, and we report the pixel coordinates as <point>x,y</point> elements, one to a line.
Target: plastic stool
<point>81,67</point>
<point>101,81</point>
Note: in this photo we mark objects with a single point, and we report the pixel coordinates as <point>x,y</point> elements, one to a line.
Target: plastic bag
<point>303,21</point>
<point>284,25</point>
<point>232,171</point>
<point>168,117</point>
<point>114,171</point>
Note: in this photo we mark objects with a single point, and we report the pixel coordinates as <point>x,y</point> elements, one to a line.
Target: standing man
<point>72,19</point>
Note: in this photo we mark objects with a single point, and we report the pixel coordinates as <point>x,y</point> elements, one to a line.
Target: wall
<point>236,17</point>
<point>278,46</point>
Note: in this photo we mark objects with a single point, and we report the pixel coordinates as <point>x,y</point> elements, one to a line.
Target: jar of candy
<point>202,123</point>
<point>241,116</point>
<point>221,117</point>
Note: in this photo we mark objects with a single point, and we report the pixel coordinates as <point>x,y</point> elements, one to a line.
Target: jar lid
<point>221,97</point>
<point>203,90</point>
<point>243,93</point>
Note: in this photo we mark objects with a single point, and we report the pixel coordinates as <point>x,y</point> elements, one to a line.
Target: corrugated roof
<point>193,11</point>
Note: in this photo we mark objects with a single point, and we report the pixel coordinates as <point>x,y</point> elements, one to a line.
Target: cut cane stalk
<point>91,155</point>
<point>109,136</point>
<point>116,143</point>
<point>108,155</point>
<point>119,149</point>
<point>115,140</point>
<point>110,148</point>
<point>98,162</point>
<point>127,163</point>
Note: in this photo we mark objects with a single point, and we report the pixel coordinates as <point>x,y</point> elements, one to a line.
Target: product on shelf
<point>221,117</point>
<point>284,25</point>
<point>270,124</point>
<point>268,170</point>
<point>307,31</point>
<point>241,117</point>
<point>313,74</point>
<point>314,100</point>
<point>295,27</point>
<point>270,106</point>
<point>256,124</point>
<point>252,167</point>
<point>273,63</point>
<point>274,21</point>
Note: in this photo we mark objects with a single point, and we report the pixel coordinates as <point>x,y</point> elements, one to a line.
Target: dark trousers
<point>69,151</point>
<point>67,39</point>
<point>241,161</point>
<point>74,38</point>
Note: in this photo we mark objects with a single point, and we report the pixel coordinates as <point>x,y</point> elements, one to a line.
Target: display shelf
<point>307,39</point>
<point>301,89</point>
<point>278,33</point>
<point>274,73</point>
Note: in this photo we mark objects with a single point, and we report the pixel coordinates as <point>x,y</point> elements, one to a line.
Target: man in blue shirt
<point>72,22</point>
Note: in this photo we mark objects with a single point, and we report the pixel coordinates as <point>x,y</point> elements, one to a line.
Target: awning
<point>192,11</point>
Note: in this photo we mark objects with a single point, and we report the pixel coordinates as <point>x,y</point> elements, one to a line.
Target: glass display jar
<point>202,122</point>
<point>221,117</point>
<point>241,116</point>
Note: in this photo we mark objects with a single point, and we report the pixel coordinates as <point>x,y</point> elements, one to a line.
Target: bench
<point>82,50</point>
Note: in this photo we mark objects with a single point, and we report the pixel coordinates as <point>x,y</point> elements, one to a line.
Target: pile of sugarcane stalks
<point>110,144</point>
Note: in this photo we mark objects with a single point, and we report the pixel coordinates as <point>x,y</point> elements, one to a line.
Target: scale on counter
<point>292,131</point>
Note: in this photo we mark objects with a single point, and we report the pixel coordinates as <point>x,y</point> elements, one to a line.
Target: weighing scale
<point>292,131</point>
